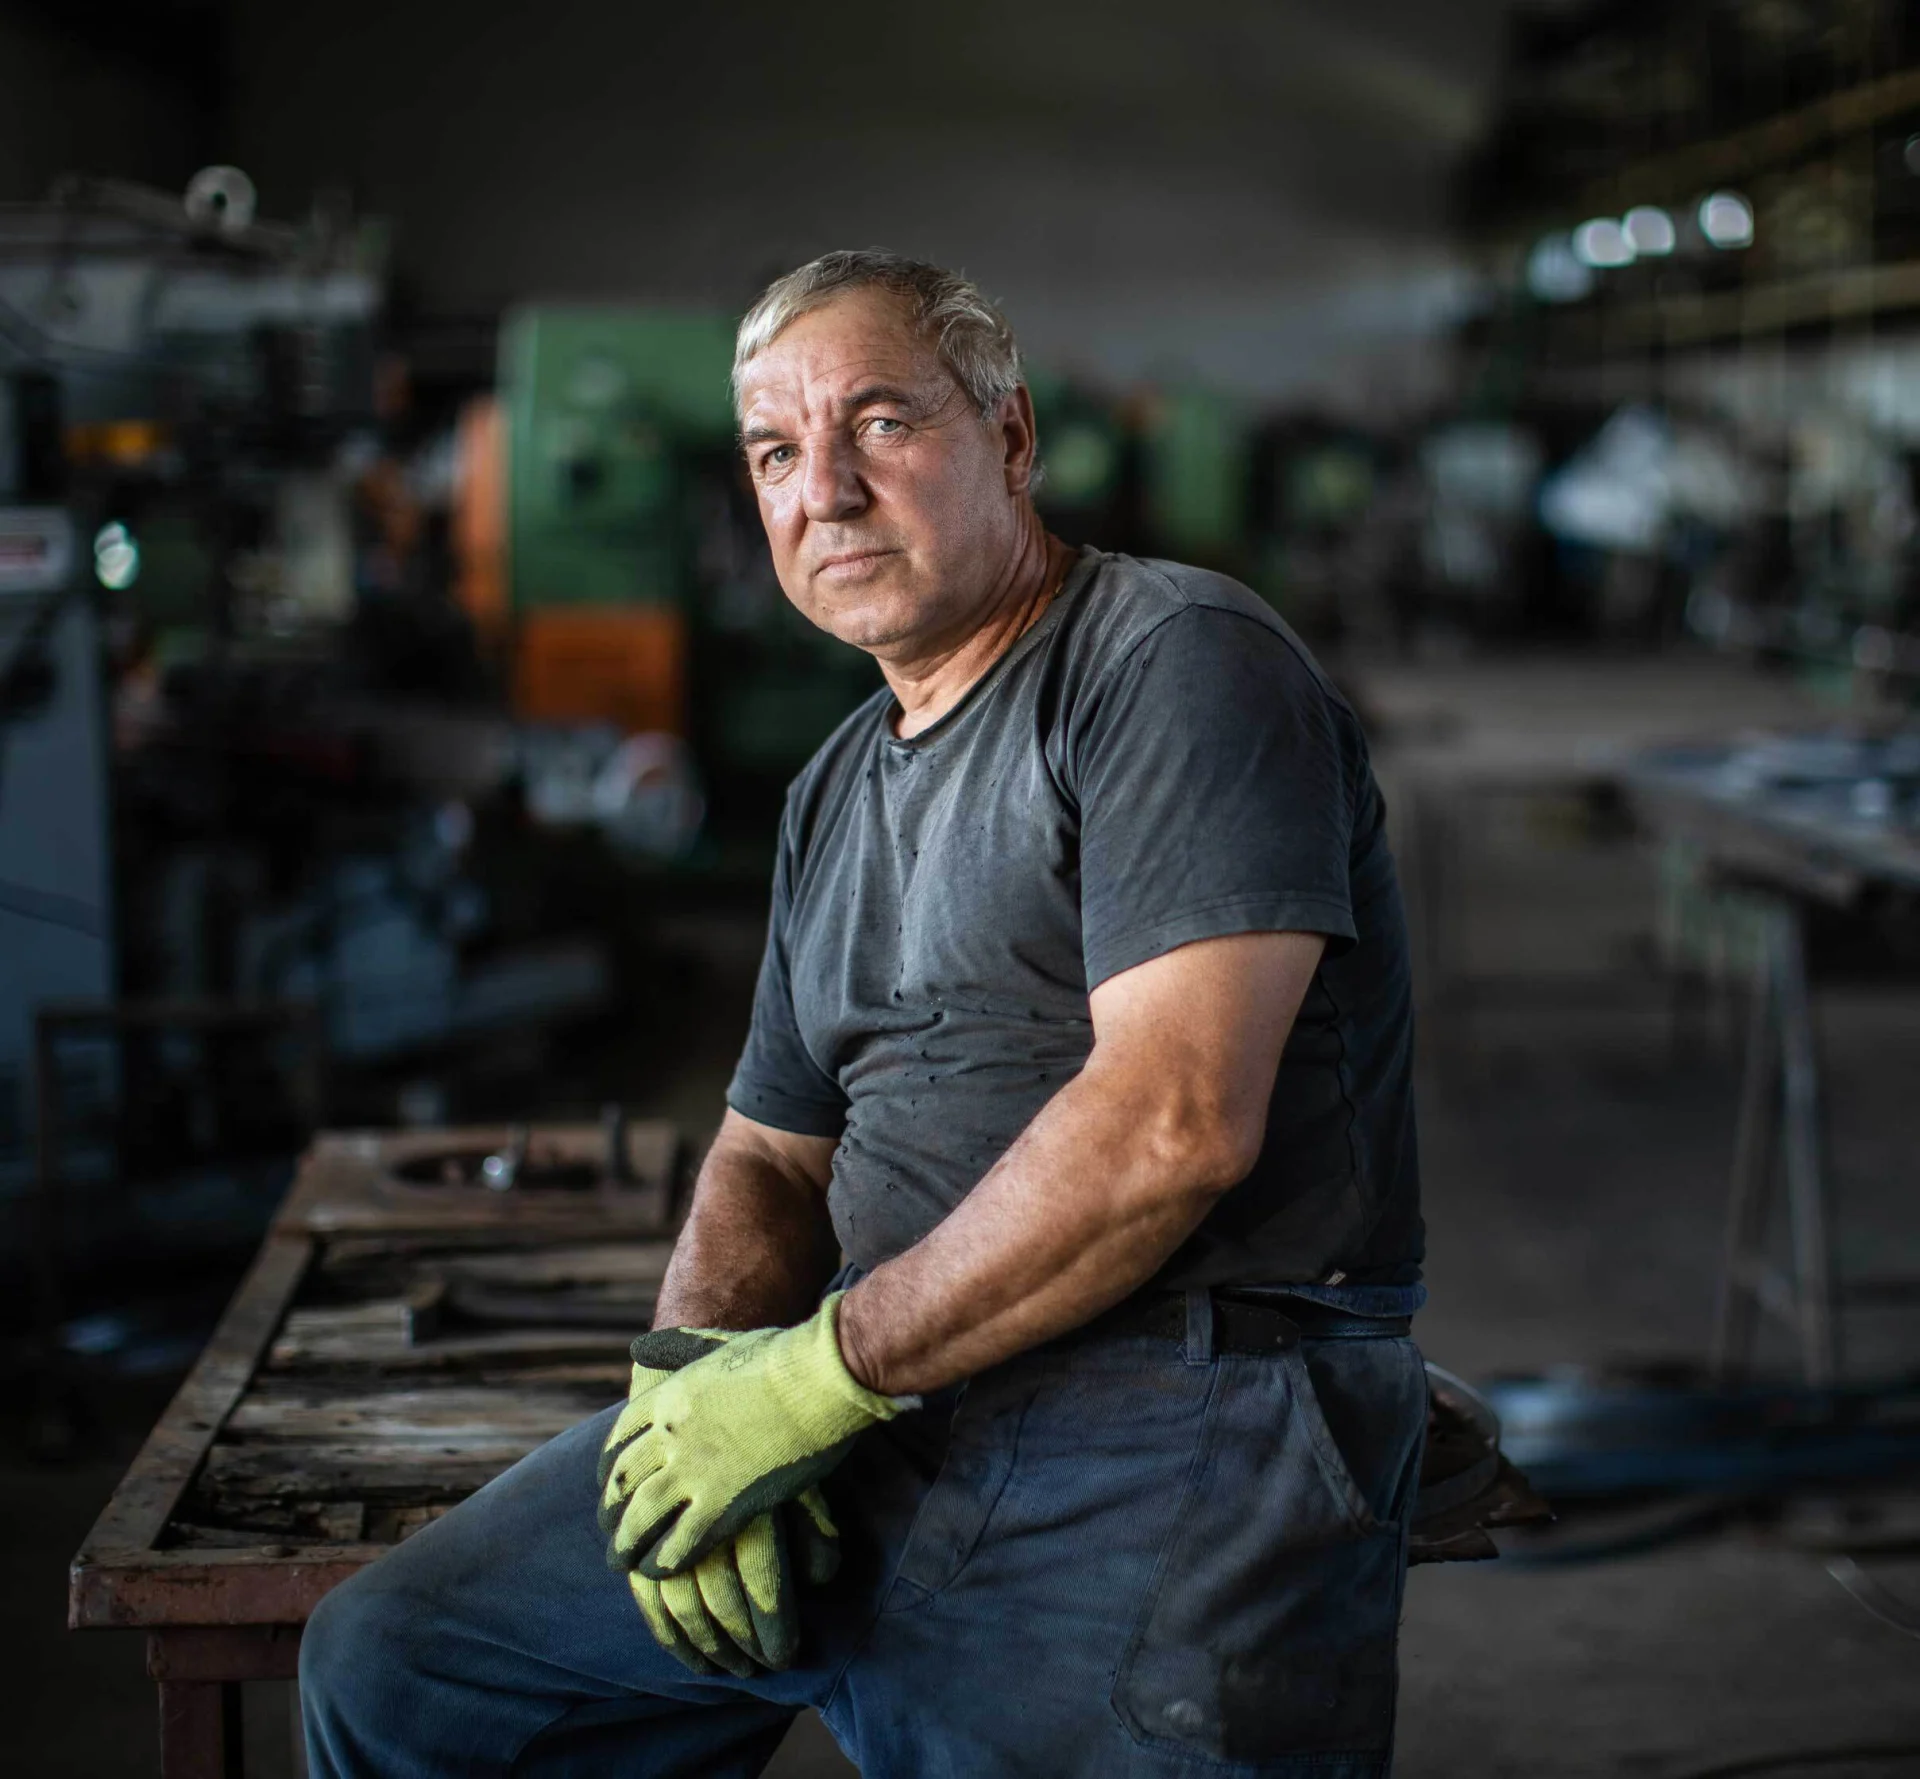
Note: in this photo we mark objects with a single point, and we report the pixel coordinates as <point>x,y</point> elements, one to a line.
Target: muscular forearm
<point>757,1246</point>
<point>1111,1176</point>
<point>1085,1206</point>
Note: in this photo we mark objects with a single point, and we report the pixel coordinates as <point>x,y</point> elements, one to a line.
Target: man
<point>1082,1045</point>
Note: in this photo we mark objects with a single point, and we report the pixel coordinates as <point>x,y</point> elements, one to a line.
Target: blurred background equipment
<point>603,411</point>
<point>56,921</point>
<point>253,752</point>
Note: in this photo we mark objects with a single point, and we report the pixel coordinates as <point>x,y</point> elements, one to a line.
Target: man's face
<point>893,509</point>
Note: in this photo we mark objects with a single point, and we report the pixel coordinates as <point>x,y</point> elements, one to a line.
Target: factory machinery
<point>1688,390</point>
<point>174,375</point>
<point>271,832</point>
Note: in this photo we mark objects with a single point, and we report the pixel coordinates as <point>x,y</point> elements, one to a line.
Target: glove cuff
<point>668,1349</point>
<point>823,1338</point>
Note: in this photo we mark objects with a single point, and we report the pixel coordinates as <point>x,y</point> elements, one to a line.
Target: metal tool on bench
<point>516,1164</point>
<point>501,1170</point>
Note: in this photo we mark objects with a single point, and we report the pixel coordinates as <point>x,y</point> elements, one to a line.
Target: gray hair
<point>951,313</point>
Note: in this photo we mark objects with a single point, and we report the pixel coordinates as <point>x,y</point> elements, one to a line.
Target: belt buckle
<point>1289,1335</point>
<point>1264,1327</point>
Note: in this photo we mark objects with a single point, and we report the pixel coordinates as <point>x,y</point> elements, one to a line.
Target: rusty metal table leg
<point>200,1670</point>
<point>200,1729</point>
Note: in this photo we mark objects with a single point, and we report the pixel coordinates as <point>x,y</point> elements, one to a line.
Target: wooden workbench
<point>398,1342</point>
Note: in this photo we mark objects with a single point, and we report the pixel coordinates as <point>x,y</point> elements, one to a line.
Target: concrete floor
<point>1573,1215</point>
<point>1575,1162</point>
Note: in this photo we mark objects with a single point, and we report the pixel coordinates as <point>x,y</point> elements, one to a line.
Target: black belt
<point>1268,1324</point>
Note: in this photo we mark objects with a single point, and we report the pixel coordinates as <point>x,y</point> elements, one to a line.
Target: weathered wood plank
<point>601,1380</point>
<point>249,1525</point>
<point>349,1253</point>
<point>609,1378</point>
<point>343,1520</point>
<point>377,1335</point>
<point>527,1261</point>
<point>390,1525</point>
<point>372,1471</point>
<point>187,1535</point>
<point>603,1263</point>
<point>411,1416</point>
<point>140,1507</point>
<point>456,1308</point>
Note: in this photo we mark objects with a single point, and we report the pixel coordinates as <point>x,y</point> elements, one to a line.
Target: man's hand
<point>668,1349</point>
<point>736,1610</point>
<point>753,1424</point>
<point>756,1250</point>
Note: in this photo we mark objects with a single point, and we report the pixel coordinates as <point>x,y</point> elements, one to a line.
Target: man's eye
<point>885,426</point>
<point>778,458</point>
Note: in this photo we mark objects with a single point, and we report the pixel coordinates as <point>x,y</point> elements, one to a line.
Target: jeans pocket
<point>954,1512</point>
<point>1270,1627</point>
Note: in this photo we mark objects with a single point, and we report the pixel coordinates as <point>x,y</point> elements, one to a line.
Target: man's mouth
<point>851,563</point>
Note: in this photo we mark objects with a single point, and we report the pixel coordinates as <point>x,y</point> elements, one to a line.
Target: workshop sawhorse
<point>1778,1135</point>
<point>1780,1141</point>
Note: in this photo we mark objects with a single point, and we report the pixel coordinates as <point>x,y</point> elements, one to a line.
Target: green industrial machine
<point>603,407</point>
<point>1197,452</point>
<point>1086,459</point>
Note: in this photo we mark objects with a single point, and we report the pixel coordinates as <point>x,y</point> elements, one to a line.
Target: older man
<point>1082,1048</point>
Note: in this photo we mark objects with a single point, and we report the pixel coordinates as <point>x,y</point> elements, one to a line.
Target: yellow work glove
<point>752,1424</point>
<point>736,1610</point>
<point>668,1349</point>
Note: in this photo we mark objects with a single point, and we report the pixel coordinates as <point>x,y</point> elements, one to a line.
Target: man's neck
<point>930,686</point>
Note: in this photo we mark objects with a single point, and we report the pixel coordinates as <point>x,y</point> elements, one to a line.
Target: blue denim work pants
<point>1111,1556</point>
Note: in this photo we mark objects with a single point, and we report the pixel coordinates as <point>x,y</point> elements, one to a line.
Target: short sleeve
<point>1217,780</point>
<point>777,1082</point>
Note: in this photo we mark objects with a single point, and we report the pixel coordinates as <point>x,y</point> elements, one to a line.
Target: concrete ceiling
<point>1251,192</point>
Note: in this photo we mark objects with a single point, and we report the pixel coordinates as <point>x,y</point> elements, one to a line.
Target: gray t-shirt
<point>1157,760</point>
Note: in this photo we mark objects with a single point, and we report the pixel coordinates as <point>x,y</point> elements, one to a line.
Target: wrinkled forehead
<point>824,360</point>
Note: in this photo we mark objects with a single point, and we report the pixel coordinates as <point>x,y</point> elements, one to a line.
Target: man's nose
<point>831,487</point>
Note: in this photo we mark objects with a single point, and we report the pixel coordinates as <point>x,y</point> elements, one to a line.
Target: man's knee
<point>355,1643</point>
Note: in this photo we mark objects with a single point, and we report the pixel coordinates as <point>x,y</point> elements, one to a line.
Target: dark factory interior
<point>399,699</point>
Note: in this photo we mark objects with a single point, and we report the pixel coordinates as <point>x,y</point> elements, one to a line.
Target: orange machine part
<point>120,444</point>
<point>625,665</point>
<point>480,517</point>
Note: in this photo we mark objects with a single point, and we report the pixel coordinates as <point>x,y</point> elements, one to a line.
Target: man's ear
<point>1019,440</point>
